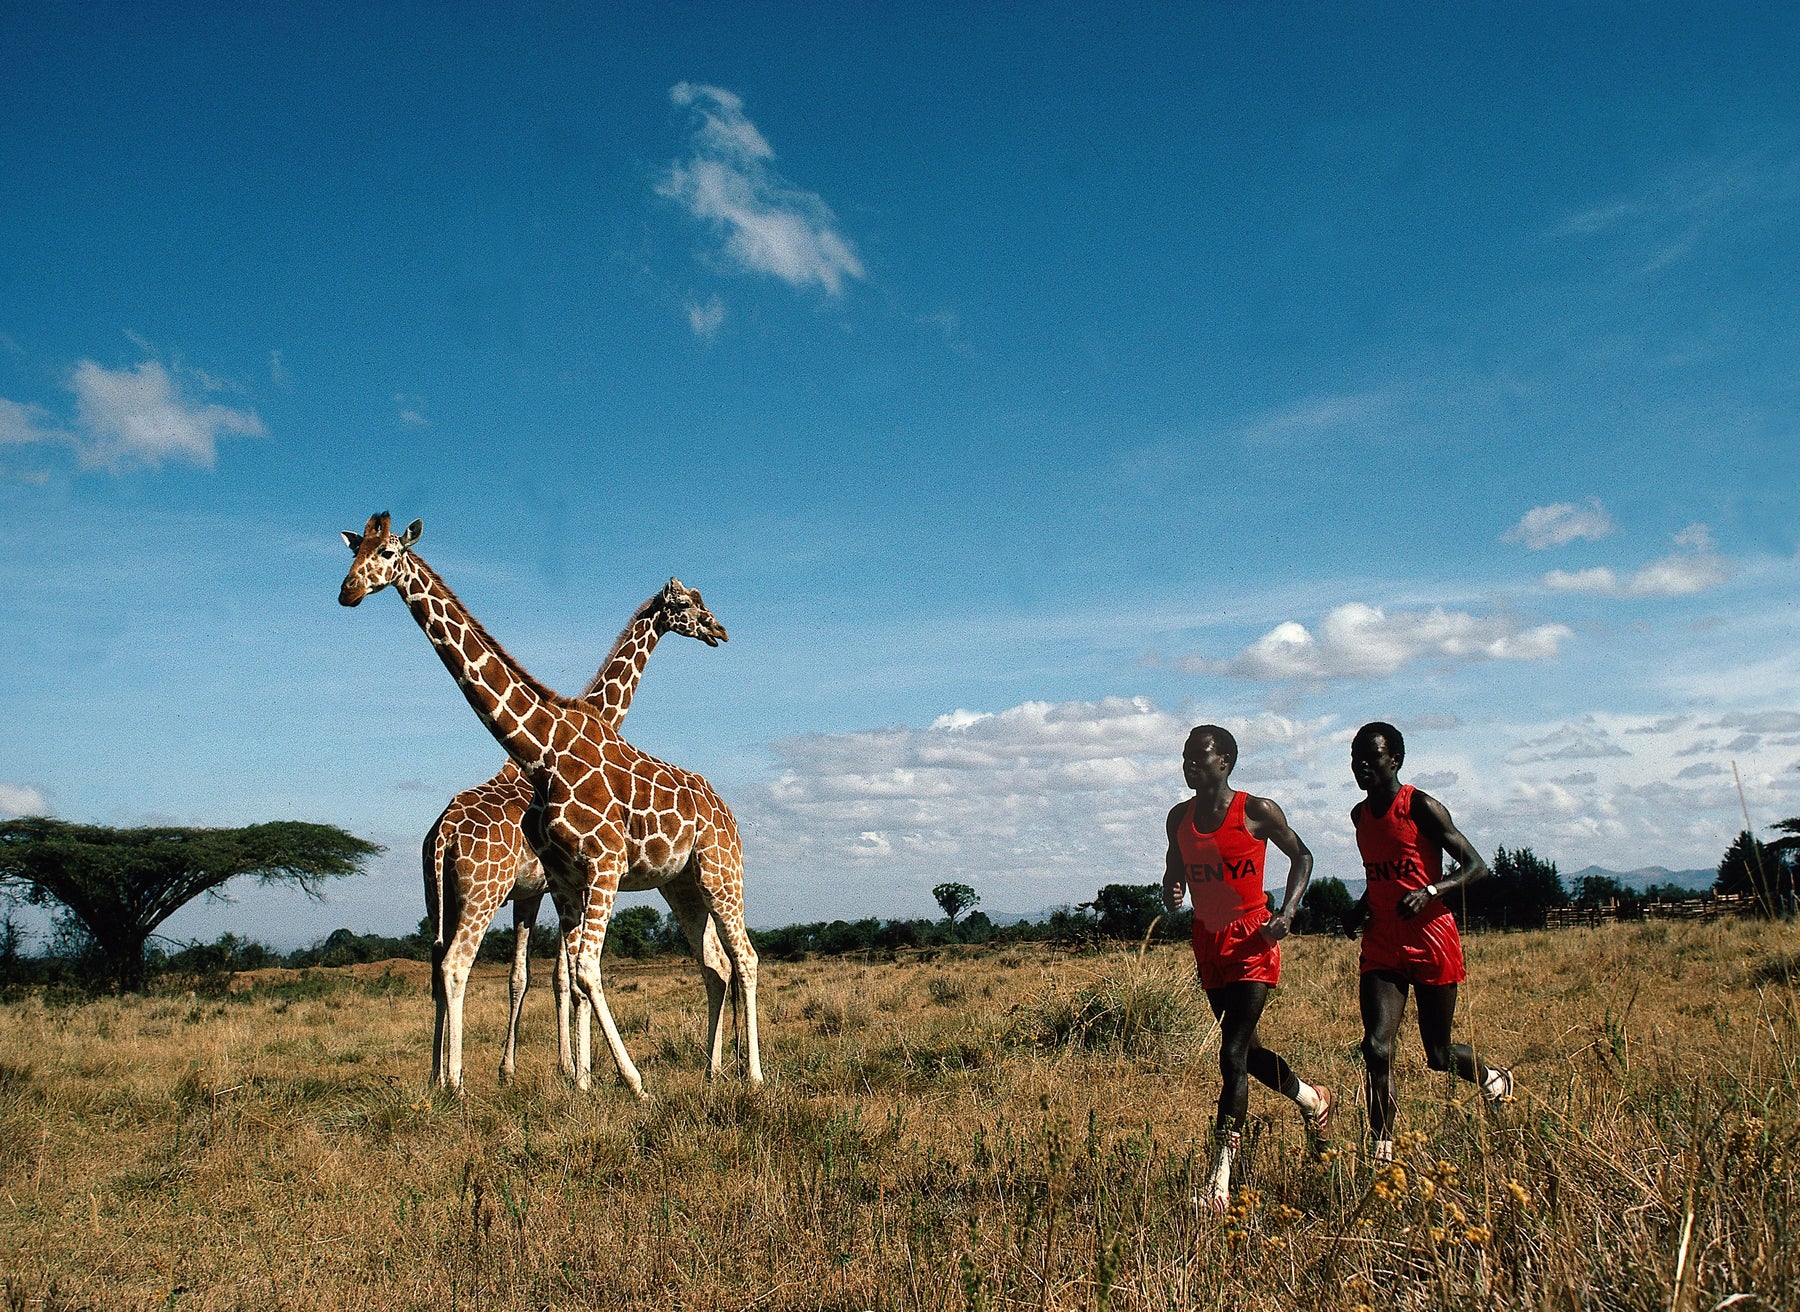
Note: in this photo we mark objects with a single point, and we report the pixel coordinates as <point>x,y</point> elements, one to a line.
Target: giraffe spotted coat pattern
<point>476,859</point>
<point>604,817</point>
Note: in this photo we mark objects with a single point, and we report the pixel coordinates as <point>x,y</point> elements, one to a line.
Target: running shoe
<point>1318,1124</point>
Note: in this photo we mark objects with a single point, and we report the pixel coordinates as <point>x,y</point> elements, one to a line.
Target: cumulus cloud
<point>129,417</point>
<point>1046,799</point>
<point>768,225</point>
<point>140,416</point>
<point>1696,567</point>
<point>1559,524</point>
<point>1356,641</point>
<point>21,799</point>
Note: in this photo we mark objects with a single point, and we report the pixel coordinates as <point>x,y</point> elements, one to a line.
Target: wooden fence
<point>1709,907</point>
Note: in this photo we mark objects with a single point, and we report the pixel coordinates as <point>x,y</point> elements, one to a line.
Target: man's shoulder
<point>1261,808</point>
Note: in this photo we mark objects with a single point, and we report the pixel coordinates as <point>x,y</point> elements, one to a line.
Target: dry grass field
<point>1003,1129</point>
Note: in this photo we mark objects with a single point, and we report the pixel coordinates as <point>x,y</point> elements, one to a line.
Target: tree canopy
<point>1759,870</point>
<point>955,899</point>
<point>1520,895</point>
<point>1327,908</point>
<point>120,884</point>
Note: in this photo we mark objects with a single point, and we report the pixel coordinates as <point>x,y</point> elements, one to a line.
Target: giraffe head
<point>378,554</point>
<point>680,610</point>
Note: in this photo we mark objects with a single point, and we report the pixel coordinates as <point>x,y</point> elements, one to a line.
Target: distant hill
<point>1640,879</point>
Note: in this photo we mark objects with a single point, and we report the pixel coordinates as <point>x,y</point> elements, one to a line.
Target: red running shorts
<point>1423,950</point>
<point>1239,953</point>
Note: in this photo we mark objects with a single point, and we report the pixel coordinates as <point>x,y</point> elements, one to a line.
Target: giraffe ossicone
<point>603,816</point>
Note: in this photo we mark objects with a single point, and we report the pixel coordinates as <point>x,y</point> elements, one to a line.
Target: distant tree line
<point>110,889</point>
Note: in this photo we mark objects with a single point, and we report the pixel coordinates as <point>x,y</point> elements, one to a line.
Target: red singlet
<point>1396,859</point>
<point>1224,873</point>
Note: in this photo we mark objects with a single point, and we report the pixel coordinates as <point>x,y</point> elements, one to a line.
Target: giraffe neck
<point>611,689</point>
<point>516,708</point>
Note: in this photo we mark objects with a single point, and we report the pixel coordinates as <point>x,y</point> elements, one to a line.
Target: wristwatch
<point>1431,890</point>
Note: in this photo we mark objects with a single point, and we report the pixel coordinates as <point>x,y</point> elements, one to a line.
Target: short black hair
<point>1222,739</point>
<point>1396,743</point>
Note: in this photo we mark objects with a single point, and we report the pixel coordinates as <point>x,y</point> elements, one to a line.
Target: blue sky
<point>1020,386</point>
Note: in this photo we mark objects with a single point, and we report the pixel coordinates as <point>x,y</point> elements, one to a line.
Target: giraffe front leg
<point>574,1061</point>
<point>525,912</point>
<point>602,883</point>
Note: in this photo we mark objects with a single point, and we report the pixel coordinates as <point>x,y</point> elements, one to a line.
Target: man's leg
<point>1437,1012</point>
<point>1238,1007</point>
<point>1382,996</point>
<point>1314,1102</point>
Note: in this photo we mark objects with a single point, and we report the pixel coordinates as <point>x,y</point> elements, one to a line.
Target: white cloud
<point>706,319</point>
<point>20,424</point>
<point>1316,417</point>
<point>1357,641</point>
<point>411,409</point>
<point>21,799</point>
<point>132,416</point>
<point>1761,722</point>
<point>1039,803</point>
<point>1560,524</point>
<point>769,225</point>
<point>1695,568</point>
<point>1668,724</point>
<point>139,416</point>
<point>1583,739</point>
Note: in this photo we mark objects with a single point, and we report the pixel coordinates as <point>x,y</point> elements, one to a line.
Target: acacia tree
<point>955,899</point>
<point>120,884</point>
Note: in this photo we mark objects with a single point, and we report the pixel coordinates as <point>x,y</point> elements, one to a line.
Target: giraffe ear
<point>352,540</point>
<point>413,530</point>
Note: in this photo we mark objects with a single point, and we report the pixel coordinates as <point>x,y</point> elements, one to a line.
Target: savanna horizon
<point>983,1128</point>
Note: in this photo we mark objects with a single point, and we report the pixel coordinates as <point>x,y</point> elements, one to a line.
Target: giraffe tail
<point>436,843</point>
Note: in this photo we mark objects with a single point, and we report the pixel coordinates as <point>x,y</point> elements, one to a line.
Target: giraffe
<point>476,858</point>
<point>604,817</point>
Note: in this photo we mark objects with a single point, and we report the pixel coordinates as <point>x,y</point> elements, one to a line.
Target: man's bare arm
<point>1174,872</point>
<point>1434,821</point>
<point>1264,819</point>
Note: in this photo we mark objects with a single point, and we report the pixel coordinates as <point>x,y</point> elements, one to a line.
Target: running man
<point>1410,938</point>
<point>1217,845</point>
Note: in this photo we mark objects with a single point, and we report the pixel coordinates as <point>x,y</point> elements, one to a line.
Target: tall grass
<point>1017,1131</point>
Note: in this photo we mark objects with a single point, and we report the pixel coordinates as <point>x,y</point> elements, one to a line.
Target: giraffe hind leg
<point>525,912</point>
<point>688,903</point>
<point>724,885</point>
